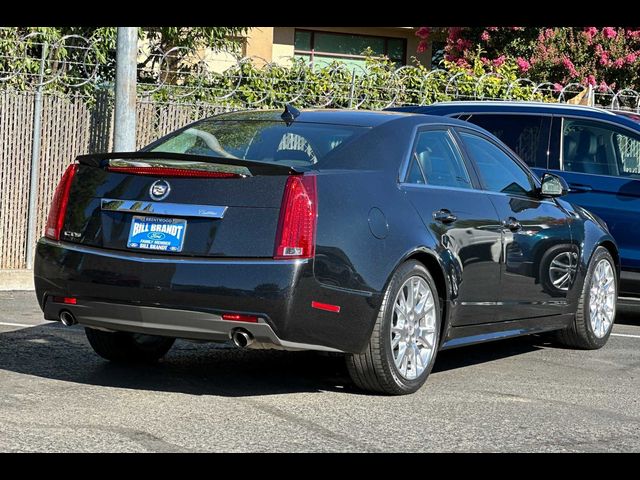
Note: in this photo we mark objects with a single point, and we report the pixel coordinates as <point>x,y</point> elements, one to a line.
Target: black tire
<point>124,347</point>
<point>375,369</point>
<point>580,333</point>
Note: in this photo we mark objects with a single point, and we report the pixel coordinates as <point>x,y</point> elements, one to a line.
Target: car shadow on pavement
<point>54,352</point>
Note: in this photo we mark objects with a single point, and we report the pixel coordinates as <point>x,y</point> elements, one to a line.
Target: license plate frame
<point>157,234</point>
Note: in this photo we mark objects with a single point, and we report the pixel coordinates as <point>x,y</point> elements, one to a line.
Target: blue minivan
<point>596,151</point>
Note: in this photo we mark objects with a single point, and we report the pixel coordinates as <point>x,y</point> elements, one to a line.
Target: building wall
<point>260,43</point>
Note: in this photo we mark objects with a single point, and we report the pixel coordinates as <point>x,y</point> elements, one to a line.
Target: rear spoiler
<point>256,168</point>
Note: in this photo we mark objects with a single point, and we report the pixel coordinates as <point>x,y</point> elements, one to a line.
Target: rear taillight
<point>58,209</point>
<point>297,224</point>
<point>171,172</point>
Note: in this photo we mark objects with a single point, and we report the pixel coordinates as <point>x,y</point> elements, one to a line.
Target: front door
<point>538,258</point>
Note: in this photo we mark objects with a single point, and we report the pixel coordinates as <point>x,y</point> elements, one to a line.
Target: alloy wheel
<point>413,328</point>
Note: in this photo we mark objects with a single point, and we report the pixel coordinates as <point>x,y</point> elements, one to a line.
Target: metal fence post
<point>35,161</point>
<point>125,109</point>
<point>352,89</point>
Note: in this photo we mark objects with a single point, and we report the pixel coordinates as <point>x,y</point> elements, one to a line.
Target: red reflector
<point>58,209</point>
<point>296,234</point>
<point>67,300</point>
<point>172,172</point>
<point>236,317</point>
<point>326,306</point>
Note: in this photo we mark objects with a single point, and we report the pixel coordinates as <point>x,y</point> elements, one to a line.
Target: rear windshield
<point>299,144</point>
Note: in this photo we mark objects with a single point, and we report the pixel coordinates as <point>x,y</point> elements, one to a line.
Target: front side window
<point>498,171</point>
<point>527,135</point>
<point>300,144</point>
<point>437,161</point>
<point>596,148</point>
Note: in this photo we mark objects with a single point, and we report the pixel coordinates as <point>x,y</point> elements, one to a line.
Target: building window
<point>437,54</point>
<point>322,48</point>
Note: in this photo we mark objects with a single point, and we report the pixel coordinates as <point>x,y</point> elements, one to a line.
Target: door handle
<point>579,188</point>
<point>512,224</point>
<point>444,216</point>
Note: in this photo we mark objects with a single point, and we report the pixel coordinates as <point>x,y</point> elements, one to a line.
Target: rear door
<point>538,258</point>
<point>441,186</point>
<point>600,161</point>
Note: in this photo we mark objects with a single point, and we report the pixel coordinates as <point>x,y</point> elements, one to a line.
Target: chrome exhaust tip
<point>241,338</point>
<point>67,318</point>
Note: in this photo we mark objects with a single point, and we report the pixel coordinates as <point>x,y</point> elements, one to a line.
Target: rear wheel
<point>594,319</point>
<point>128,347</point>
<point>403,345</point>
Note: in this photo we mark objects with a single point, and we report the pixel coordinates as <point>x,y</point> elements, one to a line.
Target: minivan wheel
<point>404,342</point>
<point>128,347</point>
<point>594,319</point>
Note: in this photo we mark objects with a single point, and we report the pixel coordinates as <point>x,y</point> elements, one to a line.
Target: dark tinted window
<point>527,135</point>
<point>299,144</point>
<point>600,149</point>
<point>498,171</point>
<point>436,158</point>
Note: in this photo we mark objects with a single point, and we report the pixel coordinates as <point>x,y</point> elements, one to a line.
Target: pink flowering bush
<point>605,57</point>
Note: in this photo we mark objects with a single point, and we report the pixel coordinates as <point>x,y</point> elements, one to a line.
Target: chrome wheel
<point>602,298</point>
<point>562,270</point>
<point>413,328</point>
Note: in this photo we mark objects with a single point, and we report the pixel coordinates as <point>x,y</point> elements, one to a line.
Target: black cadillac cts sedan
<point>385,236</point>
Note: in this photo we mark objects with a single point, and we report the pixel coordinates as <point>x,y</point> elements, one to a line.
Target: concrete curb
<point>16,280</point>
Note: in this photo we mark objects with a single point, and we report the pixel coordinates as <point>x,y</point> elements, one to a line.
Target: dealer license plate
<point>157,233</point>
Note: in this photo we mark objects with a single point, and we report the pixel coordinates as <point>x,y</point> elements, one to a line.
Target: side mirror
<point>553,186</point>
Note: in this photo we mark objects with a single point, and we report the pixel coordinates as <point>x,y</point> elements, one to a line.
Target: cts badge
<point>159,189</point>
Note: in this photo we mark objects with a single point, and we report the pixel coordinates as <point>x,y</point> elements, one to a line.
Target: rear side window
<point>599,149</point>
<point>436,161</point>
<point>498,171</point>
<point>527,135</point>
<point>299,144</point>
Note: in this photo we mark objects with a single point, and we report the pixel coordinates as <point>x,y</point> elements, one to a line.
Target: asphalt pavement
<point>523,395</point>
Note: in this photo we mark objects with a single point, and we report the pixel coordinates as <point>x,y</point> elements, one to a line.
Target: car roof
<point>477,106</point>
<point>360,118</point>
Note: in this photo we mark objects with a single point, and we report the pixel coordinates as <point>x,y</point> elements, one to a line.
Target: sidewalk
<point>16,280</point>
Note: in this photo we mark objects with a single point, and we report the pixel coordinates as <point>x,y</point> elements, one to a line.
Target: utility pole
<point>125,109</point>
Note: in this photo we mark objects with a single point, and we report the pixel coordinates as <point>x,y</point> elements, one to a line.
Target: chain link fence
<point>56,102</point>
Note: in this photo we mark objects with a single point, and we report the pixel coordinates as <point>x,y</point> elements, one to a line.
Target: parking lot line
<point>19,324</point>
<point>625,335</point>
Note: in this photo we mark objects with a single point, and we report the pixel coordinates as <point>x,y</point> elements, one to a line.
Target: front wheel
<point>594,319</point>
<point>404,342</point>
<point>128,347</point>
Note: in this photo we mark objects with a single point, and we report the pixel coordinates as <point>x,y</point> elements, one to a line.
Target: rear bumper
<point>171,323</point>
<point>185,297</point>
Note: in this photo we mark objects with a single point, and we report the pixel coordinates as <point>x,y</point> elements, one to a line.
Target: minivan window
<point>299,144</point>
<point>498,171</point>
<point>601,149</point>
<point>527,135</point>
<point>437,161</point>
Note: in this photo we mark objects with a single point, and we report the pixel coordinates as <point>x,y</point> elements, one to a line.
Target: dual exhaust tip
<point>241,338</point>
<point>67,318</point>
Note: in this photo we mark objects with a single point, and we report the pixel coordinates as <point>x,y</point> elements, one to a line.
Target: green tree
<point>77,59</point>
